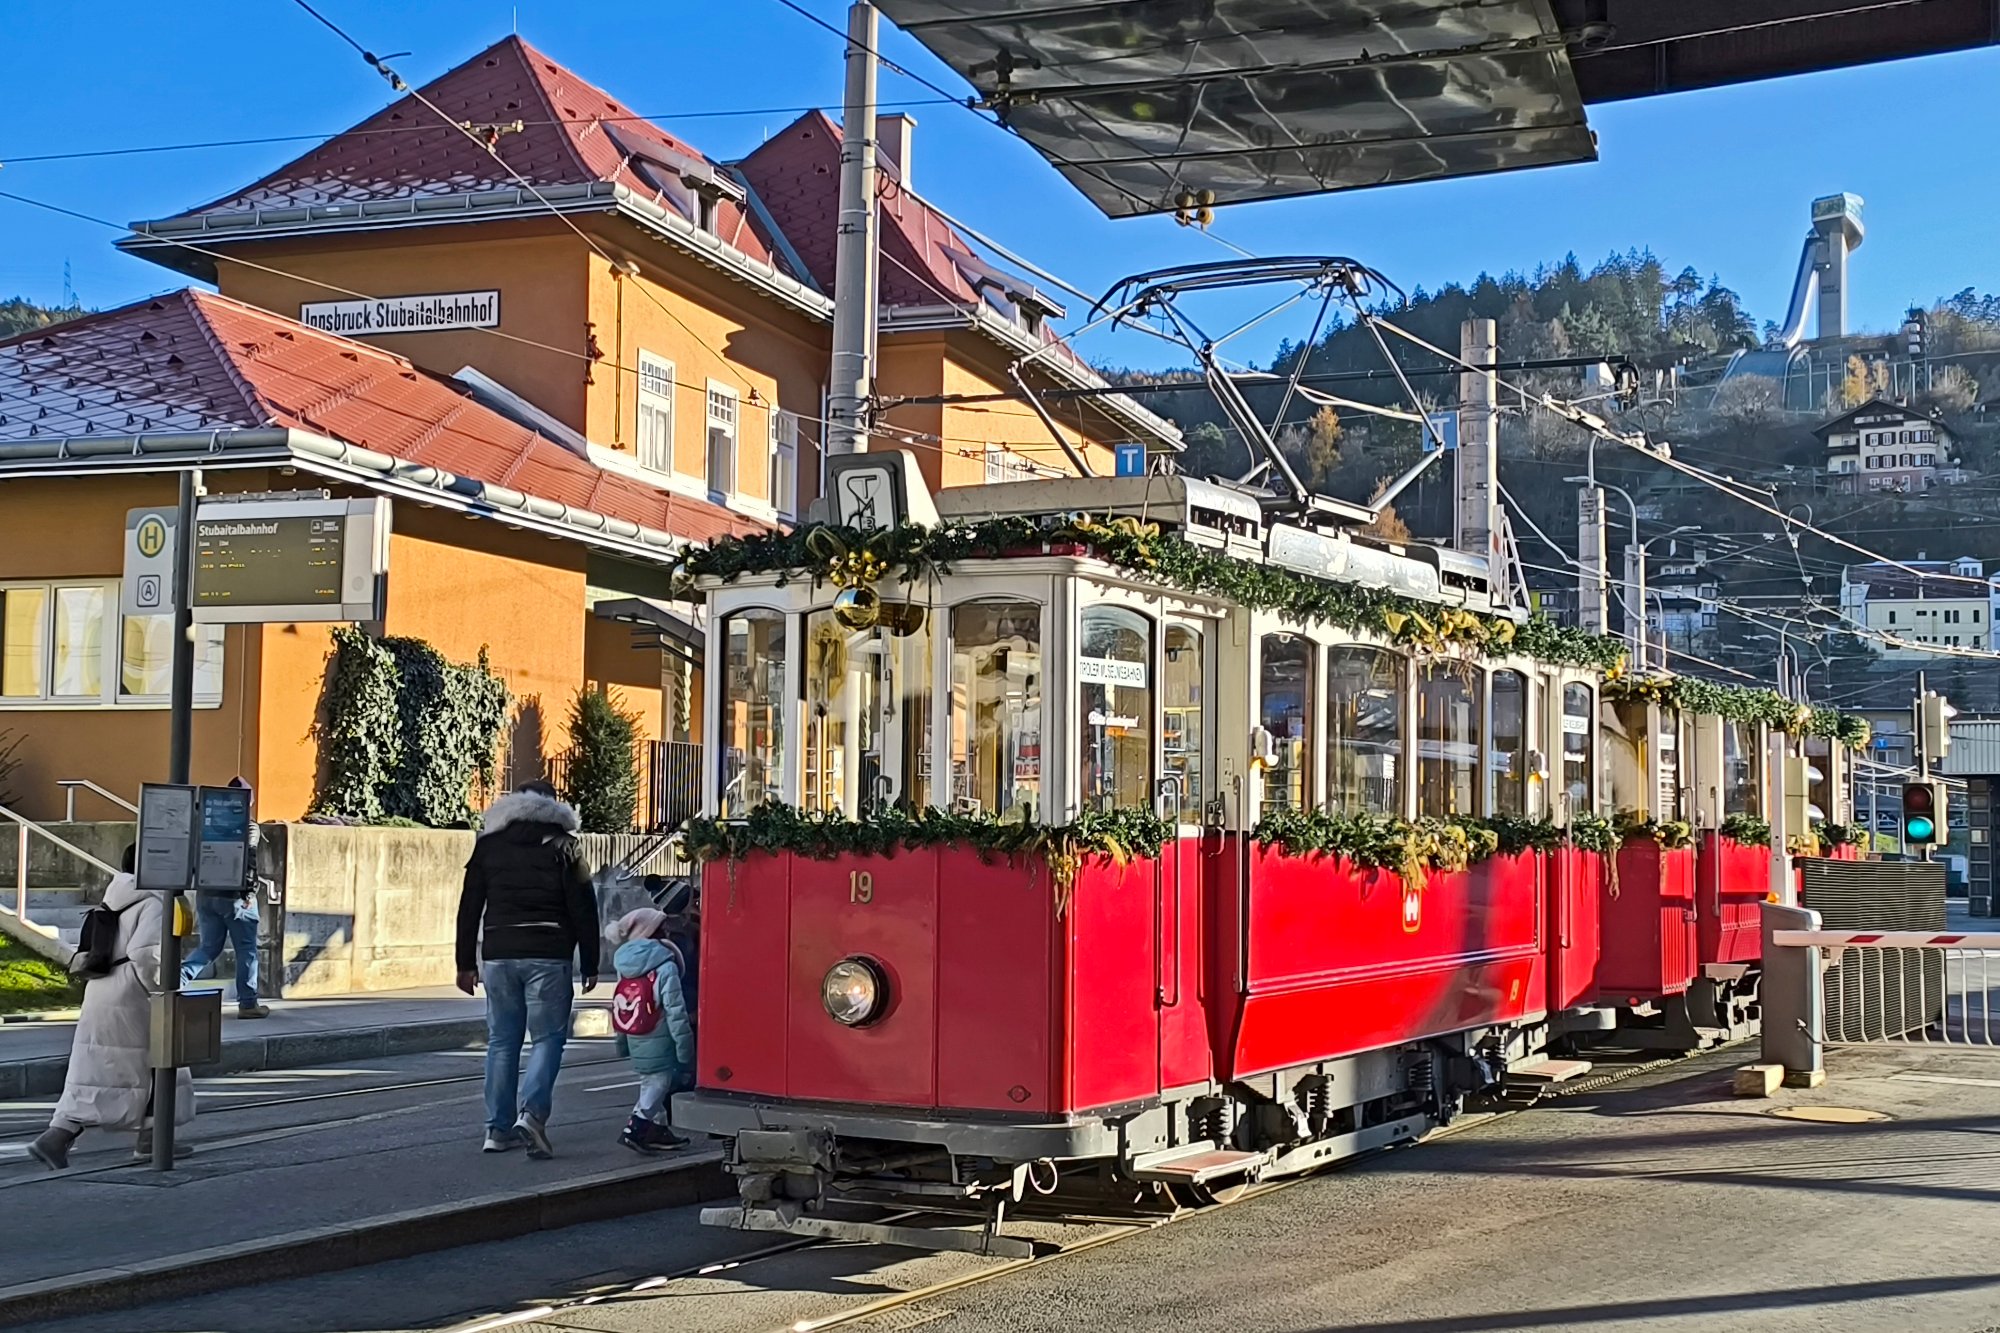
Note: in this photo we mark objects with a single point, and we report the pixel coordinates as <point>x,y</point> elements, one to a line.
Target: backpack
<point>96,944</point>
<point>635,1009</point>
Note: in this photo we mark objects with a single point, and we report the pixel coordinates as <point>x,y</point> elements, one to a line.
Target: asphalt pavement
<point>1662,1203</point>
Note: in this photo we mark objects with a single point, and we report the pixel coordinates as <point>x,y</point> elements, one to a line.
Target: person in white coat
<point>109,1083</point>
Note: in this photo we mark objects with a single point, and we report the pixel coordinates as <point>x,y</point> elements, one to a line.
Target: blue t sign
<point>1131,460</point>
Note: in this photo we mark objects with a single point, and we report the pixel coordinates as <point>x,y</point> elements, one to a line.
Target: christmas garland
<point>1670,834</point>
<point>1737,703</point>
<point>1749,830</point>
<point>851,557</point>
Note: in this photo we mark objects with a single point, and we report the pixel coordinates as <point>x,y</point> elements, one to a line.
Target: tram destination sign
<point>282,560</point>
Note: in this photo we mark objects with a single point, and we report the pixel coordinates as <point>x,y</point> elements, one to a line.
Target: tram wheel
<point>1209,1196</point>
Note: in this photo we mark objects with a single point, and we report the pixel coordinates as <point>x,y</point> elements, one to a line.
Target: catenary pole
<point>180,762</point>
<point>851,378</point>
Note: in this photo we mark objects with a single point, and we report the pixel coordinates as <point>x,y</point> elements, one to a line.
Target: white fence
<point>1901,987</point>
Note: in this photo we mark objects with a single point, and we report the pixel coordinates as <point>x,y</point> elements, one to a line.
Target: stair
<point>1196,1165</point>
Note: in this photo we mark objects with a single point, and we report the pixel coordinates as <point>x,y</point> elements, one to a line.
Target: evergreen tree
<point>602,780</point>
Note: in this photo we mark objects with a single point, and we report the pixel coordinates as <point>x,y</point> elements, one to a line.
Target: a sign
<point>167,836</point>
<point>223,859</point>
<point>1129,460</point>
<point>1110,671</point>
<point>287,560</point>
<point>1413,908</point>
<point>149,562</point>
<point>404,314</point>
<point>1443,428</point>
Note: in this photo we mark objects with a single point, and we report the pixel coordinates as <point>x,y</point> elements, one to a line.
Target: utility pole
<point>1478,519</point>
<point>858,244</point>
<point>180,762</point>
<point>1593,590</point>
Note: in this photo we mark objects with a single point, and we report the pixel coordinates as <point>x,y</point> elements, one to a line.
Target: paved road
<point>1654,1206</point>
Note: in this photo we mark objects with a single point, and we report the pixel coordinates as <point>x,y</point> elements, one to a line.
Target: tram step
<point>1194,1166</point>
<point>1549,1071</point>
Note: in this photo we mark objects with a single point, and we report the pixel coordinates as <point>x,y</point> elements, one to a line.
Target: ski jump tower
<point>1836,233</point>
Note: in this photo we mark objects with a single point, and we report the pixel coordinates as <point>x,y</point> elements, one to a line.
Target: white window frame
<point>716,389</point>
<point>783,463</point>
<point>652,400</point>
<point>111,662</point>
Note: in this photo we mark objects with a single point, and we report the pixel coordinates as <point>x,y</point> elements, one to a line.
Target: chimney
<point>892,143</point>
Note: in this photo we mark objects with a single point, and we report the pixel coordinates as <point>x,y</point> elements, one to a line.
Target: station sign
<point>150,547</point>
<point>432,313</point>
<point>282,560</point>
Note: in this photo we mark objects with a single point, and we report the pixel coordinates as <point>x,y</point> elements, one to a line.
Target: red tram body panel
<point>1731,881</point>
<point>1575,890</point>
<point>1341,960</point>
<point>1647,948</point>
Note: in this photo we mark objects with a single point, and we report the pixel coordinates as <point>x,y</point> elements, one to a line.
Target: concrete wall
<point>365,909</point>
<point>50,867</point>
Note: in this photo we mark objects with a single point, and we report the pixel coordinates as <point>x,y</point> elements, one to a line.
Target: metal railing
<point>1923,988</point>
<point>669,783</point>
<point>27,829</point>
<point>69,786</point>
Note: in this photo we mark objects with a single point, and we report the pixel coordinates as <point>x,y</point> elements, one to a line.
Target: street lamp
<point>1635,610</point>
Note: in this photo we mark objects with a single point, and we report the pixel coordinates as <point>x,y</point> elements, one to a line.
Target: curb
<point>590,1198</point>
<point>284,1050</point>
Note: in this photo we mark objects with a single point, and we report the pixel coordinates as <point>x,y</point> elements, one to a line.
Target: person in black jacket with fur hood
<point>528,909</point>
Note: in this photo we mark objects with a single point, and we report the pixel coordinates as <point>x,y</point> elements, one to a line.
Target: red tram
<point>957,1029</point>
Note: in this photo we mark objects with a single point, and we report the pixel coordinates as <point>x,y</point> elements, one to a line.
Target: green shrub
<point>602,777</point>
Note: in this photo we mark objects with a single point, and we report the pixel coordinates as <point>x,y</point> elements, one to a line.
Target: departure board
<point>279,561</point>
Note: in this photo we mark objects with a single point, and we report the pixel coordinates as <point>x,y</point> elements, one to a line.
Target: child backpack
<point>635,1009</point>
<point>96,944</point>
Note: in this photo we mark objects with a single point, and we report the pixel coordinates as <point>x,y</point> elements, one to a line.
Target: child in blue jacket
<point>650,1016</point>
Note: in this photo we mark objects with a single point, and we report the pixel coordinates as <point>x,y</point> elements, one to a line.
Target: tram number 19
<point>860,886</point>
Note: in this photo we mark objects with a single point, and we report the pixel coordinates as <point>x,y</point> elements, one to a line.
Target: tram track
<point>655,1287</point>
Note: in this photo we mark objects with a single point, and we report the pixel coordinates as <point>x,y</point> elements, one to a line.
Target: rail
<point>25,829</point>
<point>69,786</point>
<point>1918,988</point>
<point>668,774</point>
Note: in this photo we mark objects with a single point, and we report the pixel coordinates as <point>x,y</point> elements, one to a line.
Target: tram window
<point>867,713</point>
<point>1819,790</point>
<point>1742,770</point>
<point>1284,708</point>
<point>1622,741</point>
<point>752,768</point>
<point>1578,779</point>
<point>1669,749</point>
<point>996,707</point>
<point>1448,723</point>
<point>1507,747</point>
<point>1114,670</point>
<point>1365,688</point>
<point>1183,739</point>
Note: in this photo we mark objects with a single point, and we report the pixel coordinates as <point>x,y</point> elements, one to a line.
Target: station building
<point>564,344</point>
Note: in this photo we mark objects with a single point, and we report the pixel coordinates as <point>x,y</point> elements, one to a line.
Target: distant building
<point>1682,586</point>
<point>1885,446</point>
<point>1902,614</point>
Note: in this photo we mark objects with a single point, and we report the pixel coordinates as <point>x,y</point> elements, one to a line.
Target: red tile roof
<point>194,361</point>
<point>572,133</point>
<point>796,172</point>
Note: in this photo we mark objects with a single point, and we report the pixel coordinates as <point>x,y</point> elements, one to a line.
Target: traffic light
<point>1936,716</point>
<point>1923,813</point>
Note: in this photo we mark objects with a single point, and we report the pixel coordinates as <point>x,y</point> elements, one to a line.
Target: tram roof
<point>1147,105</point>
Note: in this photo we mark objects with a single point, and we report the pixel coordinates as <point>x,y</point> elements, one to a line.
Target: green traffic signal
<point>1919,828</point>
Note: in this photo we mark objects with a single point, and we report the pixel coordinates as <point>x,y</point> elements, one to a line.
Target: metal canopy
<point>1153,106</point>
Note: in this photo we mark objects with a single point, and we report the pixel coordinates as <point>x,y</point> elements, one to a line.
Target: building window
<point>65,643</point>
<point>1003,464</point>
<point>722,406</point>
<point>656,413</point>
<point>1892,615</point>
<point>784,462</point>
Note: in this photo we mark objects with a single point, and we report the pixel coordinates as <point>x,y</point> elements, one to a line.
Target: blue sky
<point>1718,180</point>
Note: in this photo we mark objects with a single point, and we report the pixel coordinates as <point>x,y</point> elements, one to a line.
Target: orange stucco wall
<point>537,267</point>
<point>633,675</point>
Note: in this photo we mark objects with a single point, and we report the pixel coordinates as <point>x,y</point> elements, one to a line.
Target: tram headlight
<point>855,992</point>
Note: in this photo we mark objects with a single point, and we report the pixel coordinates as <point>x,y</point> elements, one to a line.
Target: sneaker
<point>665,1139</point>
<point>536,1135</point>
<point>253,1011</point>
<point>51,1149</point>
<point>502,1140</point>
<point>637,1135</point>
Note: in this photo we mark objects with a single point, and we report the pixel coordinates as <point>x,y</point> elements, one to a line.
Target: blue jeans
<point>525,997</point>
<point>220,918</point>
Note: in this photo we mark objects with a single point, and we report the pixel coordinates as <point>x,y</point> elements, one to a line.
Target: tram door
<point>1187,767</point>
